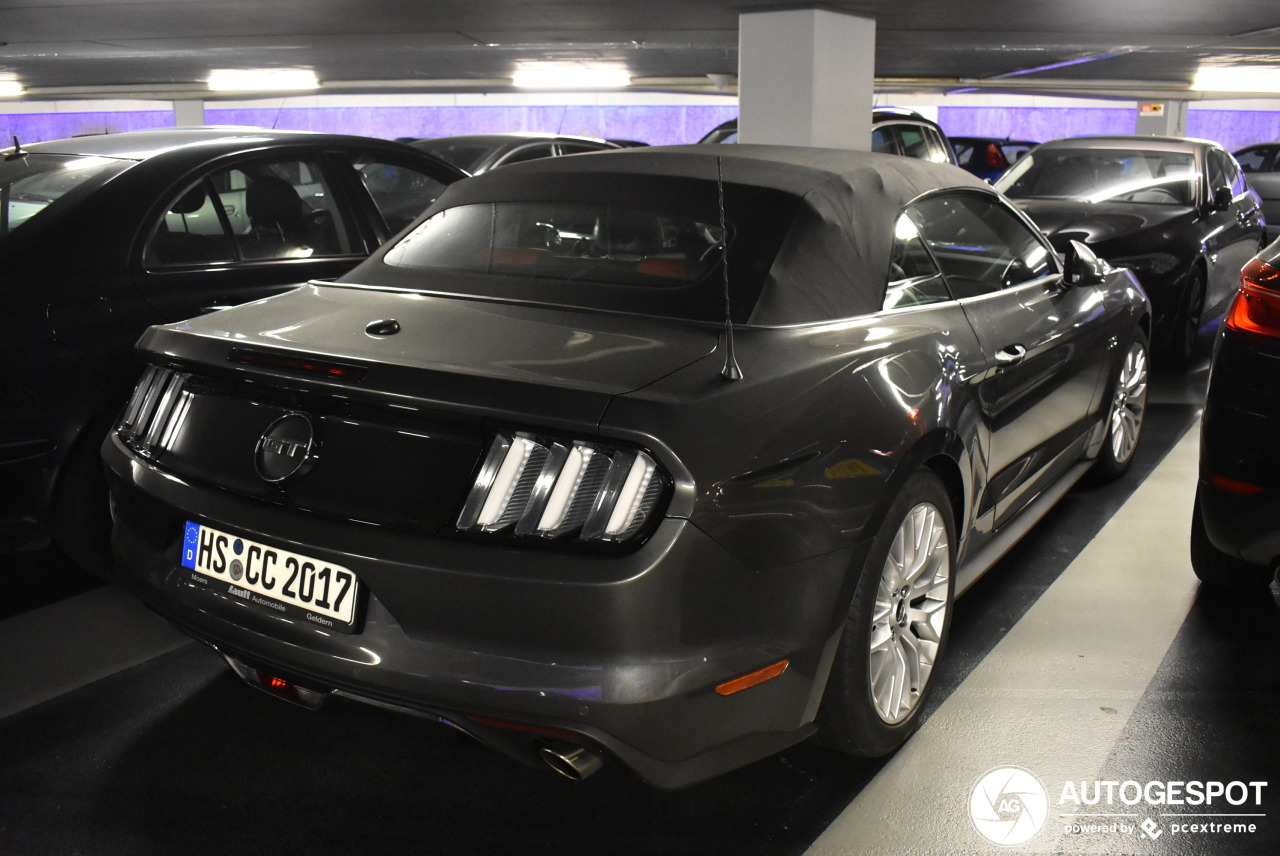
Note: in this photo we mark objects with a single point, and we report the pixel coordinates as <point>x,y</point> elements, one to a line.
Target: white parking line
<point>64,646</point>
<point>1054,695</point>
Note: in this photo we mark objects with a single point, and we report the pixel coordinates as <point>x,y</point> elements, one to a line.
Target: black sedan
<point>1177,212</point>
<point>1235,527</point>
<point>103,236</point>
<point>677,456</point>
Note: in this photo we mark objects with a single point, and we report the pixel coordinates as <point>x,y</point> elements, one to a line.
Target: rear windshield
<point>1103,175</point>
<point>33,184</point>
<point>653,252</point>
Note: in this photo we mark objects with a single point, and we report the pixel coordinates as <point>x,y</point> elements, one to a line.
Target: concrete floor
<point>1089,655</point>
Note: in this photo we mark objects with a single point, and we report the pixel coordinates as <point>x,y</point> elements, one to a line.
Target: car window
<point>32,183</point>
<point>400,193</point>
<point>1103,175</point>
<point>268,209</point>
<point>981,246</point>
<point>1230,174</point>
<point>1252,160</point>
<point>653,245</point>
<point>882,141</point>
<point>192,231</point>
<point>939,152</point>
<point>914,142</point>
<point>566,241</point>
<point>914,278</point>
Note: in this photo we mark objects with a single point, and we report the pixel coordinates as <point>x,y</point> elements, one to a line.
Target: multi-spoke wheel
<point>910,613</point>
<point>897,626</point>
<point>1128,407</point>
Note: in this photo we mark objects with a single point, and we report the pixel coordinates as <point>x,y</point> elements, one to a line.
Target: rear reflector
<point>1234,485</point>
<point>521,726</point>
<point>737,685</point>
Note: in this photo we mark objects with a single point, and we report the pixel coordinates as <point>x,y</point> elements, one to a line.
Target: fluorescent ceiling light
<point>1237,78</point>
<point>10,88</point>
<point>570,76</point>
<point>262,79</point>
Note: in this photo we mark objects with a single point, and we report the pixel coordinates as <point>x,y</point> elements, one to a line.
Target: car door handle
<point>1011,355</point>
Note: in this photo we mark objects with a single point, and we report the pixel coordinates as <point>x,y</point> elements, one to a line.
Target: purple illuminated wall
<point>667,125</point>
<point>1234,129</point>
<point>654,125</point>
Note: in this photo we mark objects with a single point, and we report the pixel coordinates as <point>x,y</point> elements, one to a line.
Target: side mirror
<point>1222,198</point>
<point>1083,267</point>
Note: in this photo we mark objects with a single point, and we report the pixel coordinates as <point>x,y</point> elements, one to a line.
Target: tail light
<point>1256,306</point>
<point>155,412</point>
<point>531,486</point>
<point>995,157</point>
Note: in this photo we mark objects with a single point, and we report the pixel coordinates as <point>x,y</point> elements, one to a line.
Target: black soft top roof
<point>834,260</point>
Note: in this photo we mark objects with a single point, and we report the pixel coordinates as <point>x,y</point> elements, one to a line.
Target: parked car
<point>1235,526</point>
<point>1177,212</point>
<point>1262,172</point>
<point>477,153</point>
<point>102,236</point>
<point>989,157</point>
<point>894,131</point>
<point>591,463</point>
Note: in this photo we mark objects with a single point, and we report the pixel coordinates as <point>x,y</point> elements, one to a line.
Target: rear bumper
<point>622,651</point>
<point>1237,443</point>
<point>1246,526</point>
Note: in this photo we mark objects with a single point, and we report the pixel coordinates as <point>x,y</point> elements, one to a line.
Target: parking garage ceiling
<point>166,48</point>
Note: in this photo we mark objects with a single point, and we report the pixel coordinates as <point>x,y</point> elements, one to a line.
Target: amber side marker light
<point>1256,306</point>
<point>737,685</point>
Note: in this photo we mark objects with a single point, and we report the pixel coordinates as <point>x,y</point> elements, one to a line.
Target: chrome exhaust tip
<point>572,762</point>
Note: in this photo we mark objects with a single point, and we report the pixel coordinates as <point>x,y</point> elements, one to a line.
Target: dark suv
<point>894,131</point>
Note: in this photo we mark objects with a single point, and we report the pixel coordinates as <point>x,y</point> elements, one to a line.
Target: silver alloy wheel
<point>910,613</point>
<point>1129,403</point>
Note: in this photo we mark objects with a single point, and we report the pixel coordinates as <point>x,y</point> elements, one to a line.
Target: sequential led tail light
<point>532,486</point>
<point>1256,306</point>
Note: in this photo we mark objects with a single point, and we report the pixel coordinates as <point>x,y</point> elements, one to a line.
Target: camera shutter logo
<point>286,449</point>
<point>1009,806</point>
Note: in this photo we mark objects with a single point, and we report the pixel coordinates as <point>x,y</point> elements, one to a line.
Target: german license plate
<point>271,578</point>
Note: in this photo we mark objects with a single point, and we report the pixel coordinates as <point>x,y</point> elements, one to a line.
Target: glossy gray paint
<point>778,482</point>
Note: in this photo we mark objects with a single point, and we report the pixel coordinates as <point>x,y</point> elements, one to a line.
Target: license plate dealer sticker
<point>271,578</point>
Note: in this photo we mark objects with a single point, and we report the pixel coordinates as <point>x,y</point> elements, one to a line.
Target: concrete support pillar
<point>1162,119</point>
<point>806,78</point>
<point>187,113</point>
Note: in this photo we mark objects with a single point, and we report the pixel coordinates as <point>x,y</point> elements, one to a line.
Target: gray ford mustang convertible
<point>670,456</point>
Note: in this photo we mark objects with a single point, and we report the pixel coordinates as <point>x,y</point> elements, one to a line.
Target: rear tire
<point>896,630</point>
<point>1219,569</point>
